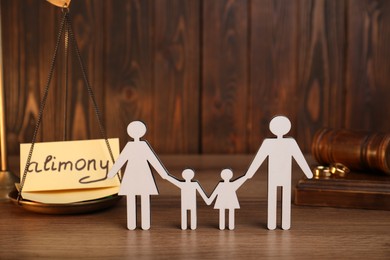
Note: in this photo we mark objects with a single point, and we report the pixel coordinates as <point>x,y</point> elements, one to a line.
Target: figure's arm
<point>213,195</point>
<point>301,161</point>
<point>258,160</point>
<point>122,159</point>
<point>156,163</point>
<point>203,193</point>
<point>174,181</point>
<point>240,181</point>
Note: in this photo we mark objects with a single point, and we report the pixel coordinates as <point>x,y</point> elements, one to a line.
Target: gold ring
<point>339,169</point>
<point>321,172</point>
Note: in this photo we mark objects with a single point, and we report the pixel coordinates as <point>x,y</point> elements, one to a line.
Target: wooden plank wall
<point>205,76</point>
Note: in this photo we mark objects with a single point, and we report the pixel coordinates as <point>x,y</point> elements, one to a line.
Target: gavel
<point>358,150</point>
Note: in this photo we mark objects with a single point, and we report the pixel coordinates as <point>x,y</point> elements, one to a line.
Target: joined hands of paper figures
<point>138,179</point>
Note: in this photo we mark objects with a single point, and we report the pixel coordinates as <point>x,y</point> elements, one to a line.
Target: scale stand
<point>7,184</point>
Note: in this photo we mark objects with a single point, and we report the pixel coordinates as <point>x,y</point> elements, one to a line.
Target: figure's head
<point>188,174</point>
<point>226,174</point>
<point>136,129</point>
<point>280,125</point>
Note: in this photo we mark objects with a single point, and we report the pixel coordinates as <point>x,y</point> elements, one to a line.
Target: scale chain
<point>90,92</point>
<point>42,106</point>
<point>65,22</point>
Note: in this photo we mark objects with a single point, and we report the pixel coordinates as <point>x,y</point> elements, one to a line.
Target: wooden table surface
<point>316,232</point>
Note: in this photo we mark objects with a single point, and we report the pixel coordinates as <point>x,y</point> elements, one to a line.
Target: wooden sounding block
<point>355,190</point>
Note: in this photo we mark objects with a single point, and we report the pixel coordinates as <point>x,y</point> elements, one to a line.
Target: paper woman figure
<point>280,151</point>
<point>225,192</point>
<point>138,179</point>
<point>188,188</point>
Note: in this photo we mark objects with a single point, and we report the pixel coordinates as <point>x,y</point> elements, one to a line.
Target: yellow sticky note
<point>69,171</point>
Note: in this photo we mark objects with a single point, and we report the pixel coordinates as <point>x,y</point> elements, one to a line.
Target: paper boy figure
<point>280,151</point>
<point>225,192</point>
<point>138,178</point>
<point>188,196</point>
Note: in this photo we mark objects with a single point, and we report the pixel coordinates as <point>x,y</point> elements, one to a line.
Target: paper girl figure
<point>188,188</point>
<point>138,179</point>
<point>226,195</point>
<point>280,151</point>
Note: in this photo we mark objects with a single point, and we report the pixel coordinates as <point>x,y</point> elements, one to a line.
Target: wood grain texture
<point>368,63</point>
<point>27,50</point>
<point>11,56</point>
<point>273,67</point>
<point>321,67</point>
<point>205,76</point>
<point>176,76</point>
<point>52,124</point>
<point>88,24</point>
<point>224,76</point>
<point>128,66</point>
<point>316,232</point>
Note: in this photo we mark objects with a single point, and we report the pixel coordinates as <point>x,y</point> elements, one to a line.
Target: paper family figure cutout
<point>139,181</point>
<point>225,192</point>
<point>280,151</point>
<point>188,188</point>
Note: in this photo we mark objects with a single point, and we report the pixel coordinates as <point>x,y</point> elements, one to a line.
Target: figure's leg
<point>145,212</point>
<point>286,207</point>
<point>131,212</point>
<point>272,203</point>
<point>231,219</point>
<point>221,219</point>
<point>183,219</point>
<point>193,219</point>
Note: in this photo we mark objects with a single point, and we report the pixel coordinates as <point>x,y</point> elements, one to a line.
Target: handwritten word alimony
<point>51,164</point>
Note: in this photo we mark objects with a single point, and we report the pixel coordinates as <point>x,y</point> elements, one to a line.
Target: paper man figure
<point>280,151</point>
<point>226,195</point>
<point>188,196</point>
<point>138,179</point>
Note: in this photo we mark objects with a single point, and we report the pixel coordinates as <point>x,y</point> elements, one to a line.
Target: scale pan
<point>65,209</point>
